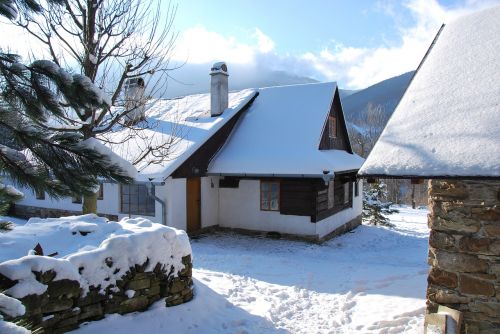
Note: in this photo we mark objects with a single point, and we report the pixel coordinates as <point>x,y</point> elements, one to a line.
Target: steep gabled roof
<point>447,123</point>
<point>280,133</point>
<point>185,123</point>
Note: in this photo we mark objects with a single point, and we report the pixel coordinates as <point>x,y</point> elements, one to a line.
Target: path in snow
<point>370,281</point>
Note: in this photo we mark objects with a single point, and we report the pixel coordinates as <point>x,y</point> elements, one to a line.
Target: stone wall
<point>26,211</point>
<point>64,306</point>
<point>464,251</point>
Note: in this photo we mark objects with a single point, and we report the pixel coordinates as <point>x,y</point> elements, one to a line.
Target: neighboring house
<point>447,128</point>
<point>275,159</point>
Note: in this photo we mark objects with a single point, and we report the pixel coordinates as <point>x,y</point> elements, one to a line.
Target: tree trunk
<point>89,204</point>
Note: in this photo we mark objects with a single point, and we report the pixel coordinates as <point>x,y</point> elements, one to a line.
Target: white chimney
<point>218,89</point>
<point>134,99</point>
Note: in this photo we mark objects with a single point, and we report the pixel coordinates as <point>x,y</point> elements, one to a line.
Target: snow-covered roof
<point>183,125</point>
<point>279,135</point>
<point>447,123</point>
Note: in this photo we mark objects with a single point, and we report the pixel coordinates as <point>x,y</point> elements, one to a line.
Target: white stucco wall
<point>175,192</point>
<point>209,201</point>
<point>329,224</point>
<point>110,204</point>
<point>227,207</point>
<point>240,208</point>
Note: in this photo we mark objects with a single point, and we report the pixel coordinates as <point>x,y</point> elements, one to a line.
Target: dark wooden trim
<point>229,182</point>
<point>322,210</point>
<point>197,164</point>
<point>298,196</point>
<point>193,204</point>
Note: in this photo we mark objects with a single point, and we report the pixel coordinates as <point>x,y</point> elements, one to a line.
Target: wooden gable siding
<point>309,197</point>
<point>298,196</point>
<point>197,163</point>
<point>341,142</point>
<point>339,204</point>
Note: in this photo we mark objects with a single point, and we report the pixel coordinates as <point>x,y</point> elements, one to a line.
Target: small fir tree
<point>375,207</point>
<point>8,195</point>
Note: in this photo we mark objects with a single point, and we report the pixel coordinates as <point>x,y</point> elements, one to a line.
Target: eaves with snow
<point>279,135</point>
<point>181,125</point>
<point>447,123</point>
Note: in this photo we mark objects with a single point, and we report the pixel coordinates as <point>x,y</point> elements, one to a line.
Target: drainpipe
<point>159,200</point>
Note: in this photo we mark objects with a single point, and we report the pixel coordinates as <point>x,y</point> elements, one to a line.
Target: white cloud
<point>361,67</point>
<point>198,45</point>
<point>264,42</point>
<point>352,67</point>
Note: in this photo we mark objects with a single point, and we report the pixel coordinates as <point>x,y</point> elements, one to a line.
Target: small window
<point>331,198</point>
<point>346,192</point>
<point>136,200</point>
<point>270,195</point>
<point>76,199</point>
<point>356,188</point>
<point>332,127</point>
<point>100,193</point>
<point>40,194</point>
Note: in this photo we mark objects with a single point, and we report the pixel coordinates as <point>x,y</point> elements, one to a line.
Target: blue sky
<point>299,26</point>
<point>356,43</point>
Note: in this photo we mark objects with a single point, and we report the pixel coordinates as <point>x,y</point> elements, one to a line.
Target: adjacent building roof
<point>279,135</point>
<point>447,123</point>
<point>182,125</point>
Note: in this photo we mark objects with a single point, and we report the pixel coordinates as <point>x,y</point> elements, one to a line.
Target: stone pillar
<point>464,251</point>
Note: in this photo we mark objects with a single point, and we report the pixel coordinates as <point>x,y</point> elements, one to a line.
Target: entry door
<point>193,204</point>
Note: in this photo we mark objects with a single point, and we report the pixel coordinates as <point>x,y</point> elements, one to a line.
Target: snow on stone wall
<point>136,264</point>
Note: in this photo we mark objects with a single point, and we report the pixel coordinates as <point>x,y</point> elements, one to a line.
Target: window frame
<point>356,188</point>
<point>269,194</point>
<point>40,195</point>
<point>347,192</point>
<point>331,194</point>
<point>150,207</point>
<point>77,199</point>
<point>100,192</point>
<point>332,127</point>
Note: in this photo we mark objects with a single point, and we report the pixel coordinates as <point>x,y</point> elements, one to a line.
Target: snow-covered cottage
<point>447,128</point>
<point>275,159</point>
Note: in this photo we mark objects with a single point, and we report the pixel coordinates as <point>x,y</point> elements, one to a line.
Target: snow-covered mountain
<point>385,95</point>
<point>194,79</point>
<point>368,110</point>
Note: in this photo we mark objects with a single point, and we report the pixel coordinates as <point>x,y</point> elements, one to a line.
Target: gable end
<point>340,141</point>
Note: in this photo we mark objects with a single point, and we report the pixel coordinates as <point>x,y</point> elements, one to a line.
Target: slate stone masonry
<point>464,251</point>
<point>26,212</point>
<point>62,308</point>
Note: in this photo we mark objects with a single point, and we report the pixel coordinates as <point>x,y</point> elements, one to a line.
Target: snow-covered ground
<point>371,280</point>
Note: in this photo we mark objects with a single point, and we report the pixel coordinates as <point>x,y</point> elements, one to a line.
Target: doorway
<point>193,204</point>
